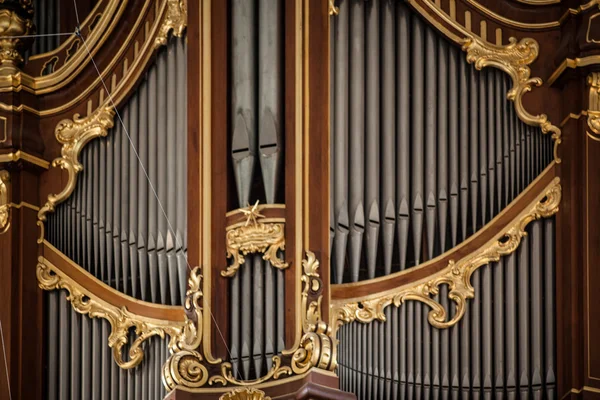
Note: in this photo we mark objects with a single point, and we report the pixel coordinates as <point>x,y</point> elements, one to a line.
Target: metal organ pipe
<point>446,150</point>
<point>507,364</point>
<point>452,155</point>
<point>113,227</point>
<point>257,331</point>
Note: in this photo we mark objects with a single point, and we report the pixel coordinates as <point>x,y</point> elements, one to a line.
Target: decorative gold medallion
<point>254,237</point>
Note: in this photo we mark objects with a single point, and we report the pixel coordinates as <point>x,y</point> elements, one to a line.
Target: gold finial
<point>251,212</point>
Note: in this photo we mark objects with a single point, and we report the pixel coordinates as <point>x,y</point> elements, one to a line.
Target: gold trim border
<point>457,275</point>
<point>21,155</point>
<point>121,320</point>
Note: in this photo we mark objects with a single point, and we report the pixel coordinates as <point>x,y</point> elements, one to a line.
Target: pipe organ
<point>302,199</point>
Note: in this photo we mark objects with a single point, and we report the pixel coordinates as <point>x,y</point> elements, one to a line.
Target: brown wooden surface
<point>291,328</point>
<point>317,61</point>
<point>21,308</point>
<point>104,292</point>
<point>492,230</point>
<point>592,264</point>
<point>315,385</point>
<point>569,254</point>
<point>219,168</point>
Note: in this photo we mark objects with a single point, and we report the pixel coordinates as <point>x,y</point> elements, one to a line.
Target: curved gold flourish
<point>514,59</point>
<point>457,275</point>
<point>317,345</point>
<point>187,367</point>
<point>184,366</point>
<point>276,372</point>
<point>175,21</point>
<point>4,202</point>
<point>333,10</point>
<point>254,237</point>
<point>74,135</point>
<point>593,112</point>
<point>245,394</point>
<point>120,319</point>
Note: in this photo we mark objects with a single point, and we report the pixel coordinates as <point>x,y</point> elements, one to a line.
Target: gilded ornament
<point>245,394</point>
<point>4,201</point>
<point>175,20</point>
<point>593,112</point>
<point>187,367</point>
<point>514,59</point>
<point>121,320</point>
<point>74,135</point>
<point>16,24</point>
<point>317,345</point>
<point>457,275</point>
<point>254,237</point>
<point>333,10</point>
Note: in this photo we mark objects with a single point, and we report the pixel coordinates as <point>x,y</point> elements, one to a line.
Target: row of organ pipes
<point>425,150</point>
<point>128,229</point>
<point>257,143</point>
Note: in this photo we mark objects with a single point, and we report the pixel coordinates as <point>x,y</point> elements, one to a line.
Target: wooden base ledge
<point>315,385</point>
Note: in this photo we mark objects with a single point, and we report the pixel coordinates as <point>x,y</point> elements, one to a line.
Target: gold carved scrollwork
<point>187,367</point>
<point>4,201</point>
<point>74,135</point>
<point>174,21</point>
<point>457,275</point>
<point>593,112</point>
<point>514,59</point>
<point>120,319</point>
<point>317,346</point>
<point>333,10</point>
<point>245,394</point>
<point>255,236</point>
<point>15,26</point>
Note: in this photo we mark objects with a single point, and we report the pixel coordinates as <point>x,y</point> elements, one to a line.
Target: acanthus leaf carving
<point>457,275</point>
<point>514,59</point>
<point>175,20</point>
<point>121,320</point>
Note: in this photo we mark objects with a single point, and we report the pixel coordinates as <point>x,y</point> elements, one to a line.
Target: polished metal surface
<point>425,149</point>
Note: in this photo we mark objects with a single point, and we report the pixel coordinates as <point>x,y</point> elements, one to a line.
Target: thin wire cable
<point>5,361</point>
<point>148,178</point>
<point>40,35</point>
<point>76,15</point>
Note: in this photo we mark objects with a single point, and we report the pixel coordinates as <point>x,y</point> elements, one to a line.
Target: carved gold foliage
<point>317,346</point>
<point>4,201</point>
<point>594,104</point>
<point>457,275</point>
<point>74,135</point>
<point>245,394</point>
<point>187,367</point>
<point>175,20</point>
<point>514,59</point>
<point>333,10</point>
<point>121,320</point>
<point>254,237</point>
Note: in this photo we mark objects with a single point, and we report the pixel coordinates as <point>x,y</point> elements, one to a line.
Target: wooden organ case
<point>301,199</point>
